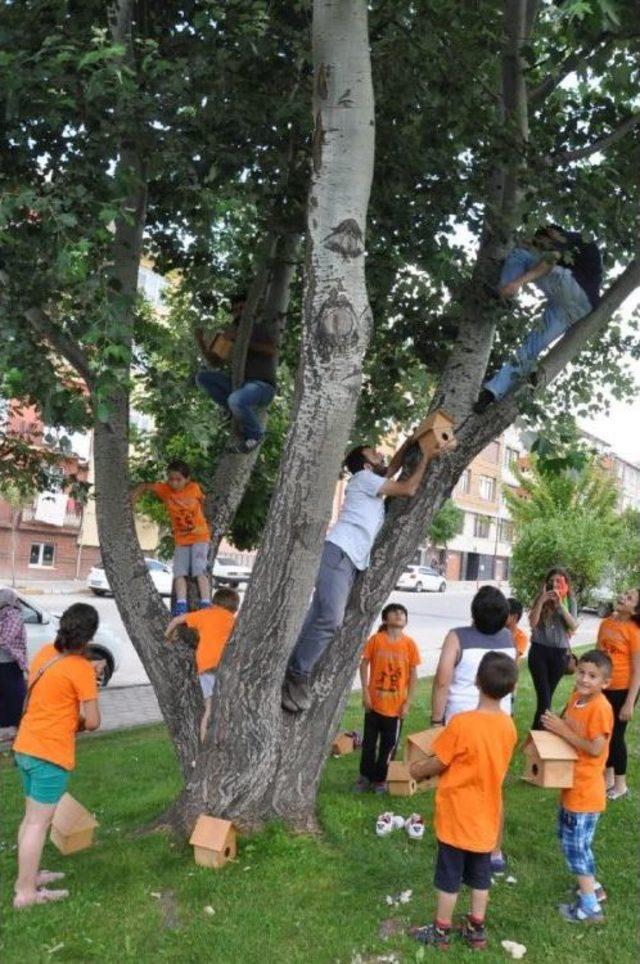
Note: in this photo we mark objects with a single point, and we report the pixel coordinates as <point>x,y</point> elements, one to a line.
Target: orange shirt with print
<point>48,728</point>
<point>588,720</point>
<point>476,748</point>
<point>520,640</point>
<point>390,665</point>
<point>185,509</point>
<point>214,626</point>
<point>620,640</point>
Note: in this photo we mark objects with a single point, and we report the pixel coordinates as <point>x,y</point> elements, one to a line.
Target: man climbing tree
<point>568,271</point>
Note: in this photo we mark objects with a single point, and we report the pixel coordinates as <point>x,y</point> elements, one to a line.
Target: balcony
<point>72,520</point>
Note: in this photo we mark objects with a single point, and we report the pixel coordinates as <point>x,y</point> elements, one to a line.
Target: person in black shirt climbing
<point>568,270</point>
<point>259,386</point>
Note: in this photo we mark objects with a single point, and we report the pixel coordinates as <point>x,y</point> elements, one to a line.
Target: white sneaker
<point>384,824</point>
<point>414,825</point>
<point>398,822</point>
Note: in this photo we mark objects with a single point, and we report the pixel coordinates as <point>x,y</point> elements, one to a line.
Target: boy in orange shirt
<point>388,675</point>
<point>184,500</point>
<point>472,755</point>
<point>520,638</point>
<point>586,724</point>
<point>214,626</point>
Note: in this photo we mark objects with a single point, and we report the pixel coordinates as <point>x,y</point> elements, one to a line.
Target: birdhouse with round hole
<point>342,745</point>
<point>72,827</point>
<point>550,760</point>
<point>213,841</point>
<point>400,783</point>
<point>435,432</point>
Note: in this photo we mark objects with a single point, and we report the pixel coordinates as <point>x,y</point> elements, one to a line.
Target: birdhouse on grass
<point>399,781</point>
<point>72,827</point>
<point>213,841</point>
<point>342,744</point>
<point>417,749</point>
<point>434,432</point>
<point>549,760</point>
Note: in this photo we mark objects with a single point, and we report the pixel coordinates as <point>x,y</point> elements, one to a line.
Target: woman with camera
<point>553,620</point>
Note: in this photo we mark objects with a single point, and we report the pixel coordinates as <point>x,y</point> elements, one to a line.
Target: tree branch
<point>67,347</point>
<point>600,144</point>
<point>567,66</point>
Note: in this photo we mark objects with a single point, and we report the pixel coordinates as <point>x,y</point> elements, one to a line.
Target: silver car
<point>42,626</point>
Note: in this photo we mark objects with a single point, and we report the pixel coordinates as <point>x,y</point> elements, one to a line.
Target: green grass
<point>292,899</point>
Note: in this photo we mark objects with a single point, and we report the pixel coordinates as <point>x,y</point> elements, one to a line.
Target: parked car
<point>421,579</point>
<point>161,577</point>
<point>42,626</point>
<point>600,600</point>
<point>226,572</point>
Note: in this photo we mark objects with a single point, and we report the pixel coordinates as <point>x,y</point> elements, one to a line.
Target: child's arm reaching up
<point>560,727</point>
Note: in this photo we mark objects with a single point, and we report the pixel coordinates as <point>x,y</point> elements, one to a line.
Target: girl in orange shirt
<point>62,699</point>
<point>619,637</point>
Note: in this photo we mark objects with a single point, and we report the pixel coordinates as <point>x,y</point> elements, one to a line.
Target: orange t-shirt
<point>620,639</point>
<point>185,509</point>
<point>390,665</point>
<point>476,748</point>
<point>214,626</point>
<point>589,720</point>
<point>520,639</point>
<point>48,728</point>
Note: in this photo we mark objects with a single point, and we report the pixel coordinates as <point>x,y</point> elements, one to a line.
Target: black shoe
<point>243,446</point>
<point>296,694</point>
<point>485,398</point>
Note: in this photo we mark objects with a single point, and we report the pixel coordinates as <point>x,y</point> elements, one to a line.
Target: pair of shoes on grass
<point>473,934</point>
<point>388,822</point>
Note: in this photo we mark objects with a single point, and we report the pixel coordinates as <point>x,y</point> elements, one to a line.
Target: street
<point>431,615</point>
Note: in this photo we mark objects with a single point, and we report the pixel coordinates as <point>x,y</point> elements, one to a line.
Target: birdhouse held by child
<point>342,744</point>
<point>213,841</point>
<point>435,433</point>
<point>399,781</point>
<point>550,760</point>
<point>417,749</point>
<point>72,827</point>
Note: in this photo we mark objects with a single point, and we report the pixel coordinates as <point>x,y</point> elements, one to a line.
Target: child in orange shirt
<point>184,500</point>
<point>472,755</point>
<point>586,724</point>
<point>62,699</point>
<point>214,626</point>
<point>388,675</point>
<point>520,638</point>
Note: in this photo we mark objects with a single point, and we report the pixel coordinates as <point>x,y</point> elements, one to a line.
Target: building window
<point>492,452</point>
<point>464,482</point>
<point>506,531</point>
<point>482,526</point>
<point>461,523</point>
<point>487,488</point>
<point>511,457</point>
<point>42,554</point>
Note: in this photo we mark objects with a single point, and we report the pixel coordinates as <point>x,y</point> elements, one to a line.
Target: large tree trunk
<point>236,772</point>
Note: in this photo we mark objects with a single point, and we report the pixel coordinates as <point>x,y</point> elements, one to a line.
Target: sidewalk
<point>125,706</point>
<point>53,587</point>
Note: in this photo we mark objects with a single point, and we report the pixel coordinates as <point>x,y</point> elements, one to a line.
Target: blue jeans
<point>333,585</point>
<point>567,302</point>
<point>243,403</point>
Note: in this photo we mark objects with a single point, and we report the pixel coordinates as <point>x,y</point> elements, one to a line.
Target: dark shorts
<point>455,866</point>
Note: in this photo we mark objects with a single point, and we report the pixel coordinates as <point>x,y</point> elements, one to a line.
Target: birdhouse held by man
<point>72,827</point>
<point>342,744</point>
<point>435,432</point>
<point>399,781</point>
<point>417,749</point>
<point>213,841</point>
<point>550,760</point>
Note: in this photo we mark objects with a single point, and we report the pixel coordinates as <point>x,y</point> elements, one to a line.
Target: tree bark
<point>248,739</point>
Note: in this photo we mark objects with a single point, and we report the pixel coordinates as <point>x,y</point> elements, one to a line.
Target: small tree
<point>445,525</point>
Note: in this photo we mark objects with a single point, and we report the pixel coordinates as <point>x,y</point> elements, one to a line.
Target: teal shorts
<point>43,782</point>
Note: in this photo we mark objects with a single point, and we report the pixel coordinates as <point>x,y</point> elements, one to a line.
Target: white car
<point>421,579</point>
<point>42,626</point>
<point>226,572</point>
<point>161,577</point>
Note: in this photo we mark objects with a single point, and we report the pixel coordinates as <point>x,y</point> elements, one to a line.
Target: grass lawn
<point>291,899</point>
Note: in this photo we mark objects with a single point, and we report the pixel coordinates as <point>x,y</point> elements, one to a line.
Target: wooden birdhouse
<point>434,432</point>
<point>213,841</point>
<point>550,760</point>
<point>72,827</point>
<point>342,744</point>
<point>399,782</point>
<point>418,748</point>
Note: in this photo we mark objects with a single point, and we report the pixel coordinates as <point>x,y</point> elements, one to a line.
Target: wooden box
<point>550,760</point>
<point>399,782</point>
<point>436,430</point>
<point>417,748</point>
<point>221,346</point>
<point>342,744</point>
<point>72,827</point>
<point>213,841</point>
